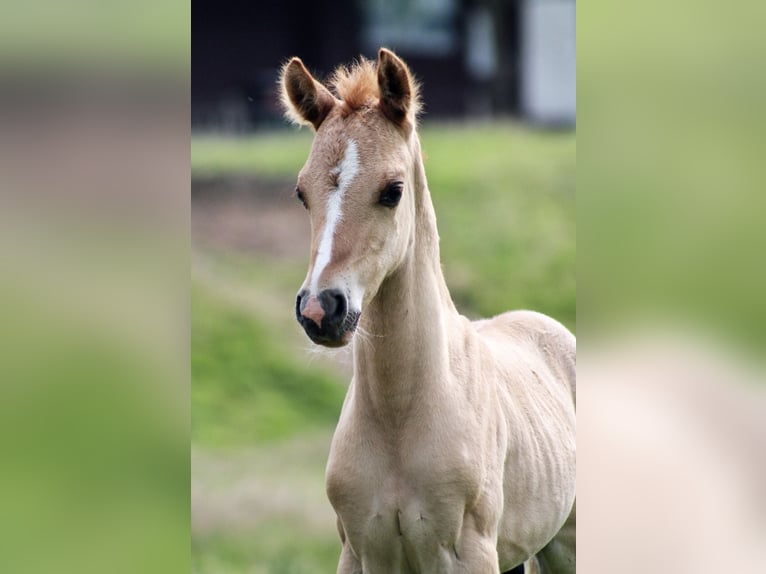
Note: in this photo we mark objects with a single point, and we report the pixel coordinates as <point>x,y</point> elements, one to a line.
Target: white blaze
<point>346,171</point>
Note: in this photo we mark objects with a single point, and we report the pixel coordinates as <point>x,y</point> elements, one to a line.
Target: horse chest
<point>393,525</point>
<point>401,506</point>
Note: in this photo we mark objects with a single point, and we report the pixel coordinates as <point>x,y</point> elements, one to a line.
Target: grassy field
<point>264,404</point>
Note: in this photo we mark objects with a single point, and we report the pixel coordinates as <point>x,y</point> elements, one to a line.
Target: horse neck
<point>403,348</point>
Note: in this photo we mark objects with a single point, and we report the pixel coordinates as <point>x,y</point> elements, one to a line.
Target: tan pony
<point>455,448</point>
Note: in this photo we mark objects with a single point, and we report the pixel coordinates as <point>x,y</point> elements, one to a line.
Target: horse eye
<point>301,197</point>
<point>391,194</point>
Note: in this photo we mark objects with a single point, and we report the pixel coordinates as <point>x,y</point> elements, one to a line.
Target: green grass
<point>505,203</point>
<point>271,155</point>
<point>275,549</point>
<point>247,389</point>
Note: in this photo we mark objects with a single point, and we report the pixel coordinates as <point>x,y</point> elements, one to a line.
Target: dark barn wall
<point>238,47</point>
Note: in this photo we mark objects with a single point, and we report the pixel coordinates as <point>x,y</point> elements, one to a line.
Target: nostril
<point>334,304</point>
<point>299,304</point>
<point>340,305</point>
<point>329,304</point>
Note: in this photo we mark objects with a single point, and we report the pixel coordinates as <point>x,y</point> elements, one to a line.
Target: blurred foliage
<point>505,202</point>
<point>279,154</point>
<point>246,387</point>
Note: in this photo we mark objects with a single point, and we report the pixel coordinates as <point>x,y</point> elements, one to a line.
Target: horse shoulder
<point>535,358</point>
<point>537,335</point>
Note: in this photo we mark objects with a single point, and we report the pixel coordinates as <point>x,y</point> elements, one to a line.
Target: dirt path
<point>249,216</point>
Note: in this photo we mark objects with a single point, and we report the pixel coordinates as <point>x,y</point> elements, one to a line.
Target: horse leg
<point>348,564</point>
<point>559,556</point>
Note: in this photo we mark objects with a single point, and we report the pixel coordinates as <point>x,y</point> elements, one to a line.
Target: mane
<point>357,85</point>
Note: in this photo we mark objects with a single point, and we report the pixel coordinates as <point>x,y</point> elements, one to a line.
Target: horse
<point>455,448</point>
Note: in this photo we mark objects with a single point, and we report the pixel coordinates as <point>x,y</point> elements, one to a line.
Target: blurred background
<point>498,132</point>
<point>476,58</point>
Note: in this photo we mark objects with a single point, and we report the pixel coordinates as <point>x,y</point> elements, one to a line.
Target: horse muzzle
<point>326,318</point>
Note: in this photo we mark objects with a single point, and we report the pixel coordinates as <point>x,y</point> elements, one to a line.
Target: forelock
<point>356,85</point>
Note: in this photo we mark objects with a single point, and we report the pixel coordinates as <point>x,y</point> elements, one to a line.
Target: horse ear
<point>398,90</point>
<point>306,101</point>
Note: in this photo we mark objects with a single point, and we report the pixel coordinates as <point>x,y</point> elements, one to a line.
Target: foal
<point>455,448</point>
